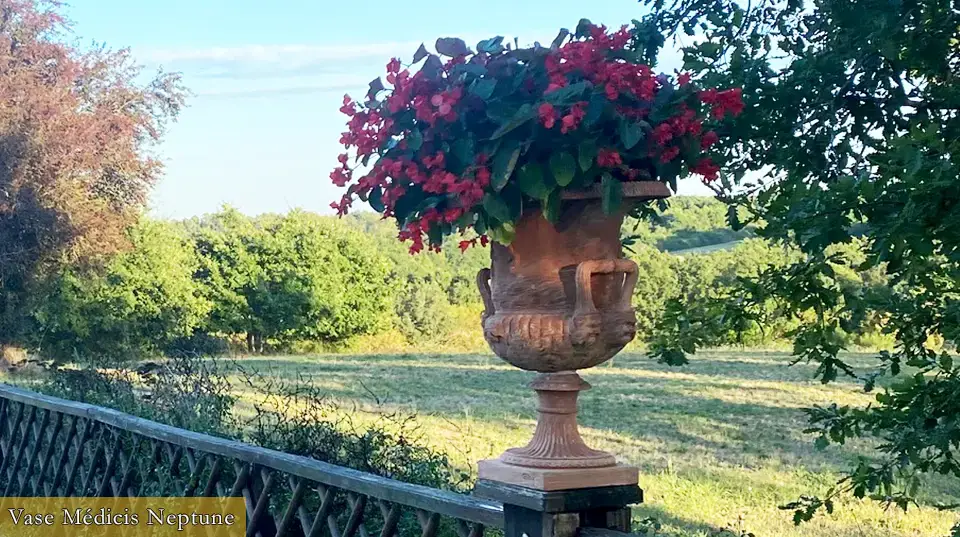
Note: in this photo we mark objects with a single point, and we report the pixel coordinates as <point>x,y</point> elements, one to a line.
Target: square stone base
<point>557,479</point>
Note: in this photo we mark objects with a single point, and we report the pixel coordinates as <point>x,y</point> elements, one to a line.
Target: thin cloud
<point>279,92</point>
<point>284,54</point>
<point>260,62</point>
<point>275,70</point>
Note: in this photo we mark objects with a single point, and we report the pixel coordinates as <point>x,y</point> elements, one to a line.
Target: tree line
<point>273,283</point>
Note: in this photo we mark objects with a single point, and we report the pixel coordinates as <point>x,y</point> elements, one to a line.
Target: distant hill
<point>707,249</point>
<point>690,222</point>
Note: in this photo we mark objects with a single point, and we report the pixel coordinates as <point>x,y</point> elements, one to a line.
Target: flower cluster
<point>474,141</point>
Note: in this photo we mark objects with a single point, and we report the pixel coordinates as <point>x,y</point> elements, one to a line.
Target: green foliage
<point>138,303</point>
<point>420,285</point>
<point>851,133</point>
<point>657,282</point>
<point>187,391</point>
<point>299,276</point>
<point>299,418</point>
<point>469,144</point>
<point>199,394</point>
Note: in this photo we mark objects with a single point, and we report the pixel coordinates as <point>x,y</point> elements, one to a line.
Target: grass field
<point>719,442</point>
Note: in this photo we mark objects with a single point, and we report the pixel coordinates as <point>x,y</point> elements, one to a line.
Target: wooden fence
<point>54,447</point>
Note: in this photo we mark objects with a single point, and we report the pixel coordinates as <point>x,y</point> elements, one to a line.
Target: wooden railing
<point>53,447</point>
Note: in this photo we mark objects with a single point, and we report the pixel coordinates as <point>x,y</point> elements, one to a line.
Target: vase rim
<point>636,190</point>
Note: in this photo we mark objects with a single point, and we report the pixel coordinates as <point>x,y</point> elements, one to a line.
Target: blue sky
<point>261,129</point>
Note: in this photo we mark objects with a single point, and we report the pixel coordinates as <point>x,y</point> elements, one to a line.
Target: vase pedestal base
<point>556,458</point>
<point>557,478</point>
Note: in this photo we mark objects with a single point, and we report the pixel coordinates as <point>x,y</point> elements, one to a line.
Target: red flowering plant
<point>477,138</point>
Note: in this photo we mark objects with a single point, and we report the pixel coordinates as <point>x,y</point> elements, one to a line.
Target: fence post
<point>561,513</point>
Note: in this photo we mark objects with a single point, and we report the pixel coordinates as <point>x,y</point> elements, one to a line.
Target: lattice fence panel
<point>52,447</point>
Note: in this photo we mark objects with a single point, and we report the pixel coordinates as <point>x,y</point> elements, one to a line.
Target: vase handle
<point>587,269</point>
<point>483,282</point>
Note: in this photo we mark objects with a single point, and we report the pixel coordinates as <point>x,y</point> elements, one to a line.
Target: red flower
<point>730,100</point>
<point>436,161</point>
<point>483,176</point>
<point>341,176</point>
<point>573,119</point>
<point>394,66</point>
<point>662,134</point>
<point>683,79</point>
<point>709,96</point>
<point>611,92</point>
<point>348,107</point>
<point>465,245</point>
<point>709,138</point>
<point>548,115</point>
<point>707,169</point>
<point>669,154</point>
<point>608,158</point>
<point>451,215</point>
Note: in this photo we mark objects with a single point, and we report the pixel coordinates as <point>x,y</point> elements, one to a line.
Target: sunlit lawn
<point>719,442</point>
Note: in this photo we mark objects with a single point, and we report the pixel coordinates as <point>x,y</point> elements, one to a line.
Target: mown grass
<point>719,442</point>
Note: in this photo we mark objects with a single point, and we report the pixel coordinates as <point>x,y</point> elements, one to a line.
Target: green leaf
<point>630,134</point>
<point>692,64</point>
<point>557,41</point>
<point>611,194</point>
<point>524,114</point>
<point>435,234</point>
<point>494,45</point>
<point>567,94</point>
<point>588,154</point>
<point>512,196</point>
<point>474,69</point>
<point>496,207</point>
<point>376,199</point>
<point>406,204</point>
<point>503,164</point>
<point>595,107</point>
<point>376,86</point>
<point>531,181</point>
<point>452,46</point>
<point>551,206</point>
<point>709,49</point>
<point>432,68</point>
<point>481,225</point>
<point>563,167</point>
<point>821,443</point>
<point>946,362</point>
<point>483,88</point>
<point>420,54</point>
<point>733,218</point>
<point>583,28</point>
<point>503,234</point>
<point>428,203</point>
<point>737,16</point>
<point>415,140</point>
<point>463,150</point>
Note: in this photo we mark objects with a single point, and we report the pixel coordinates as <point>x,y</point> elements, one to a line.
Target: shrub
<point>189,392</point>
<point>135,305</point>
<point>196,393</point>
<point>297,417</point>
<point>299,276</point>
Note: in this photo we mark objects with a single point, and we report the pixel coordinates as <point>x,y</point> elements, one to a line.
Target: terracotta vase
<point>558,299</point>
